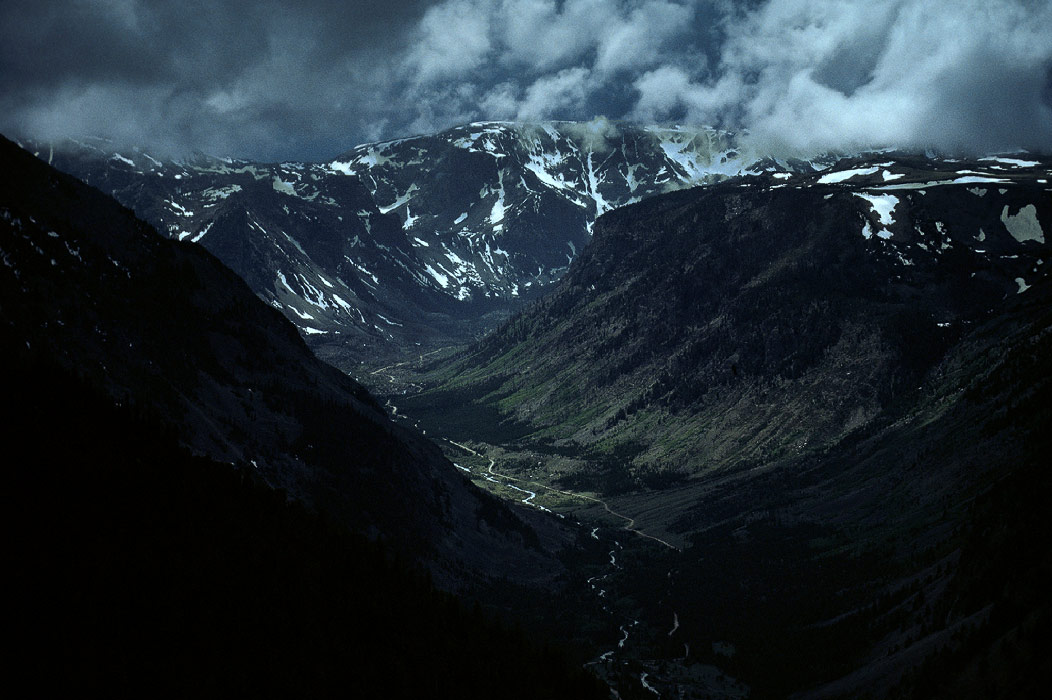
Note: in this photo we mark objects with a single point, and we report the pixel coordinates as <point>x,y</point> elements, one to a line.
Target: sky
<point>308,80</point>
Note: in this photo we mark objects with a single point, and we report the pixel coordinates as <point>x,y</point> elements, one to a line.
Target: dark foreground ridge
<point>186,476</point>
<point>139,569</point>
<point>166,325</point>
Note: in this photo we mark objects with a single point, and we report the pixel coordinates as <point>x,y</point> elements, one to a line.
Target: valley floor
<point>747,583</point>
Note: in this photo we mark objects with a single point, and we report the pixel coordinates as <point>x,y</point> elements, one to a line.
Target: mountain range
<point>409,244</point>
<point>164,326</point>
<point>816,385</point>
<point>779,426</point>
<point>766,316</point>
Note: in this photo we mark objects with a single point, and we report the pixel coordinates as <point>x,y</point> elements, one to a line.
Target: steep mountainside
<point>830,391</point>
<point>521,198</point>
<point>139,570</point>
<point>416,242</point>
<point>765,317</point>
<point>163,326</point>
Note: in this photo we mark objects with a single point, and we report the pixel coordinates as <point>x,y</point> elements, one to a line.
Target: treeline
<point>140,569</point>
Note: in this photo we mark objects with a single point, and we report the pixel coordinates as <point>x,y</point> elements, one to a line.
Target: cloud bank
<point>307,80</point>
<point>967,76</point>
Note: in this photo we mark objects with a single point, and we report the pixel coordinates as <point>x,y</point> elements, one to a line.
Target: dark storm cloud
<point>265,79</point>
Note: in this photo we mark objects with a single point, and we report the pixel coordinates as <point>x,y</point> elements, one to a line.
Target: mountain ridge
<point>142,569</point>
<point>827,389</point>
<point>647,302</point>
<point>770,373</point>
<point>368,251</point>
<point>397,248</point>
<point>164,325</point>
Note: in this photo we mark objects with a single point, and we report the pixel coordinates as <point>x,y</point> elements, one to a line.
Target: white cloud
<point>536,59</point>
<point>670,93</point>
<point>800,76</point>
<point>239,78</point>
<point>500,102</point>
<point>599,134</point>
<point>637,40</point>
<point>539,36</point>
<point>548,96</point>
<point>812,76</point>
<point>451,40</point>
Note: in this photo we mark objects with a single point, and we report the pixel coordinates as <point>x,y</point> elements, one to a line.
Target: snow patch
<point>1016,162</point>
<point>215,194</point>
<point>339,167</point>
<point>387,320</point>
<point>541,165</point>
<point>294,242</point>
<point>630,176</point>
<point>968,179</point>
<point>496,215</point>
<point>401,200</point>
<point>963,180</point>
<point>601,205</point>
<point>341,303</point>
<point>439,277</point>
<point>883,205</point>
<point>284,282</point>
<point>1024,225</point>
<point>409,220</point>
<point>202,232</point>
<point>361,268</point>
<point>833,178</point>
<point>280,185</point>
<point>312,295</point>
<point>373,157</point>
<point>178,208</point>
